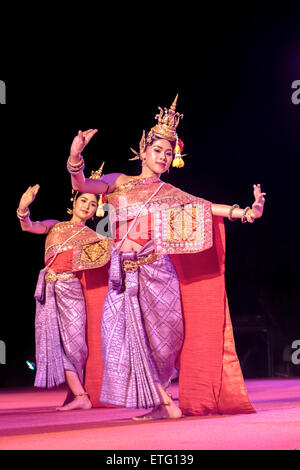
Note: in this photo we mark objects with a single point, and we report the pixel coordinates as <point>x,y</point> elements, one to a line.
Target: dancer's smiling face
<point>85,206</point>
<point>158,156</point>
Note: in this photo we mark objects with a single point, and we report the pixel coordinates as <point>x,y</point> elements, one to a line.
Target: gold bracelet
<point>75,164</point>
<point>23,215</point>
<point>235,206</point>
<point>244,218</point>
<point>249,216</point>
<point>75,168</point>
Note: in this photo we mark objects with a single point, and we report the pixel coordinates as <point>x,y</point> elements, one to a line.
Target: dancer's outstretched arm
<point>247,214</point>
<point>23,213</point>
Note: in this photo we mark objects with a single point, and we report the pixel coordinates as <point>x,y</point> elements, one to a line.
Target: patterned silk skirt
<point>60,330</point>
<point>142,328</point>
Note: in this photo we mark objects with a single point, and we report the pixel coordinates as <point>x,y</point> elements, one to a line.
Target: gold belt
<point>130,266</point>
<point>53,277</point>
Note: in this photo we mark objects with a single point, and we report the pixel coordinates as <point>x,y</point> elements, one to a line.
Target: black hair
<point>156,137</point>
<point>78,194</point>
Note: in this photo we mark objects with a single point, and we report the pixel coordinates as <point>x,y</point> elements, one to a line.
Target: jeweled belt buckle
<point>148,259</point>
<point>130,266</point>
<point>50,277</point>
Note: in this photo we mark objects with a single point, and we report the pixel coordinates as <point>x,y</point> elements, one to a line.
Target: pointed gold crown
<point>168,120</point>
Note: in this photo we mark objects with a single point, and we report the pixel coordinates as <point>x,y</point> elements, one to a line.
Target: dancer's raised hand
<point>258,205</point>
<point>80,141</point>
<point>28,197</point>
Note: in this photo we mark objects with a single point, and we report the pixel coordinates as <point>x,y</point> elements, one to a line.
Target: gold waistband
<point>51,276</point>
<point>130,266</point>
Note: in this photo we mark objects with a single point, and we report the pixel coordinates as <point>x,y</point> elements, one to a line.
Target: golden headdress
<point>94,175</point>
<point>168,120</point>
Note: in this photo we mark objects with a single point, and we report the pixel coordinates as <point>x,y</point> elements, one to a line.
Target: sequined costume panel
<point>181,222</point>
<point>89,249</point>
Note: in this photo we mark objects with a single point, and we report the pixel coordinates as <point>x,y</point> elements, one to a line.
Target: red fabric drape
<point>210,377</point>
<point>94,284</point>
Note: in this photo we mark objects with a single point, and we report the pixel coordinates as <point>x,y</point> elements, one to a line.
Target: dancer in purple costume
<point>142,324</point>
<point>61,349</point>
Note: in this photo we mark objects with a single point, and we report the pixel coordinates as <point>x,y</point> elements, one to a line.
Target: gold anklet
<point>81,394</point>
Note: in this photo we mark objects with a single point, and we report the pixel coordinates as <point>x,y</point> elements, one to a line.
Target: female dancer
<point>71,247</point>
<point>166,304</point>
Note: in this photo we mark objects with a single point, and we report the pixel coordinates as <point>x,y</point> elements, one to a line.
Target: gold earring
<point>72,199</point>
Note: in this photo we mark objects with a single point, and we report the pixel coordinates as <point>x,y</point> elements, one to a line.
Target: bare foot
<point>79,403</point>
<point>170,411</point>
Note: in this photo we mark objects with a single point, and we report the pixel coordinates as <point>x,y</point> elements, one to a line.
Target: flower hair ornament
<point>94,175</point>
<point>167,122</point>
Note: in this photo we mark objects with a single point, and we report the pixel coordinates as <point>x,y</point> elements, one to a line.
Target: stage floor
<point>29,421</point>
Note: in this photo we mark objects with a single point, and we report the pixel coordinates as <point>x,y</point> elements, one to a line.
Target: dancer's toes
<point>173,411</point>
<point>154,414</point>
<point>166,411</point>
<point>80,402</point>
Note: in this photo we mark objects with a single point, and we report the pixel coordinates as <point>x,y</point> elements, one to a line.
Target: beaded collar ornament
<point>167,122</point>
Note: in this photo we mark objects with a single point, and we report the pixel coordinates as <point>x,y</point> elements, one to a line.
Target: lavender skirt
<point>60,326</point>
<point>141,330</point>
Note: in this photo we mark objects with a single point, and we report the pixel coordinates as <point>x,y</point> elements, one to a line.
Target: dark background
<point>233,68</point>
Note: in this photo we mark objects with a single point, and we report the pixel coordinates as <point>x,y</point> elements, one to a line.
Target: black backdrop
<point>233,69</point>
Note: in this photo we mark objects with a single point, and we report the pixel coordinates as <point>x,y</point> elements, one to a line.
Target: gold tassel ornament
<point>100,210</point>
<point>178,160</point>
<point>96,175</point>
